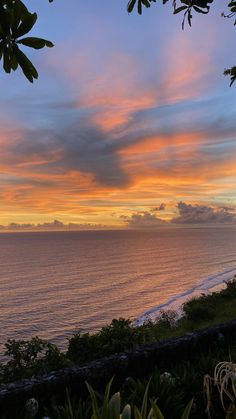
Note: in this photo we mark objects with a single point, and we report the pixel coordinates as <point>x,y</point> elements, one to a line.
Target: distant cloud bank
<point>143,220</point>
<point>187,214</point>
<point>201,214</point>
<point>50,226</point>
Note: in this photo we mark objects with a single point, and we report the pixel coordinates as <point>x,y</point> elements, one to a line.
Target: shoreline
<point>212,283</point>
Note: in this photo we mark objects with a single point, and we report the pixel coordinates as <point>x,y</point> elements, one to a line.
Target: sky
<point>130,124</point>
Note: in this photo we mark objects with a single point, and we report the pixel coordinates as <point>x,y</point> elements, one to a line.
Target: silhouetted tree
<point>15,22</point>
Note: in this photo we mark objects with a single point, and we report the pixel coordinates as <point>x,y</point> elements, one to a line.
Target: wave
<point>207,285</point>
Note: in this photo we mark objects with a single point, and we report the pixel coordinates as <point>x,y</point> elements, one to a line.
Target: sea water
<point>53,284</point>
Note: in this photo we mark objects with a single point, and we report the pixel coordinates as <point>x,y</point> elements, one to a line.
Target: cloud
<point>144,220</point>
<point>55,225</point>
<point>119,136</point>
<point>161,207</point>
<point>197,214</point>
<point>79,146</point>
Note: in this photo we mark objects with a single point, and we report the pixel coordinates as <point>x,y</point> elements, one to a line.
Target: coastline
<point>212,283</point>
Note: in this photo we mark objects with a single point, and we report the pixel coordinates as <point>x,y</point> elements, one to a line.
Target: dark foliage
<point>15,22</point>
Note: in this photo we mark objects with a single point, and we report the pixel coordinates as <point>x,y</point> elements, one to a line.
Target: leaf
<point>139,7</point>
<point>197,9</point>
<point>107,391</point>
<point>1,49</point>
<point>6,60</point>
<point>189,18</point>
<point>145,398</point>
<point>156,411</point>
<point>26,24</point>
<point>36,43</point>
<point>137,414</point>
<point>4,20</point>
<point>69,405</point>
<point>126,414</point>
<point>114,406</point>
<point>20,13</point>
<point>94,401</point>
<point>14,62</point>
<point>28,68</point>
<point>146,3</point>
<point>187,410</point>
<point>131,5</point>
<point>179,9</point>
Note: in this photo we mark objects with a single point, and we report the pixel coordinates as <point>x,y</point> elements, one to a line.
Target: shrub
<point>82,347</point>
<point>199,309</point>
<point>28,358</point>
<point>113,407</point>
<point>116,337</point>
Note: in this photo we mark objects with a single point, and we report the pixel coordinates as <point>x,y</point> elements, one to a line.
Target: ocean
<point>53,284</point>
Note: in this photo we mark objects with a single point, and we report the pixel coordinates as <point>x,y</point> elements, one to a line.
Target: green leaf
<point>137,414</point>
<point>94,401</point>
<point>145,399</point>
<point>187,410</point>
<point>114,406</point>
<point>126,414</point>
<point>36,43</point>
<point>156,411</point>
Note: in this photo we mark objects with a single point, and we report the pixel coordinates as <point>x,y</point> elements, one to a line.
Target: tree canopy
<point>16,21</point>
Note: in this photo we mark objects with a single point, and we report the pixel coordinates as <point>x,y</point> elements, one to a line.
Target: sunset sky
<point>131,121</point>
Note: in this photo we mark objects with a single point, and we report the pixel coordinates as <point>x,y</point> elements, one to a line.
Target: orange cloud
<point>115,89</point>
<point>186,67</point>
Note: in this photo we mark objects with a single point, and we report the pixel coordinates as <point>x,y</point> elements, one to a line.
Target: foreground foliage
<point>177,394</point>
<point>15,22</point>
<point>224,379</point>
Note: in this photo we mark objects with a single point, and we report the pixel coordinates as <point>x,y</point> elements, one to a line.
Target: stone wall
<point>136,363</point>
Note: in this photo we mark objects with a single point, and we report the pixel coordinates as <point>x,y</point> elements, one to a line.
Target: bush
<point>28,358</point>
<point>116,337</point>
<point>82,347</point>
<point>199,309</point>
